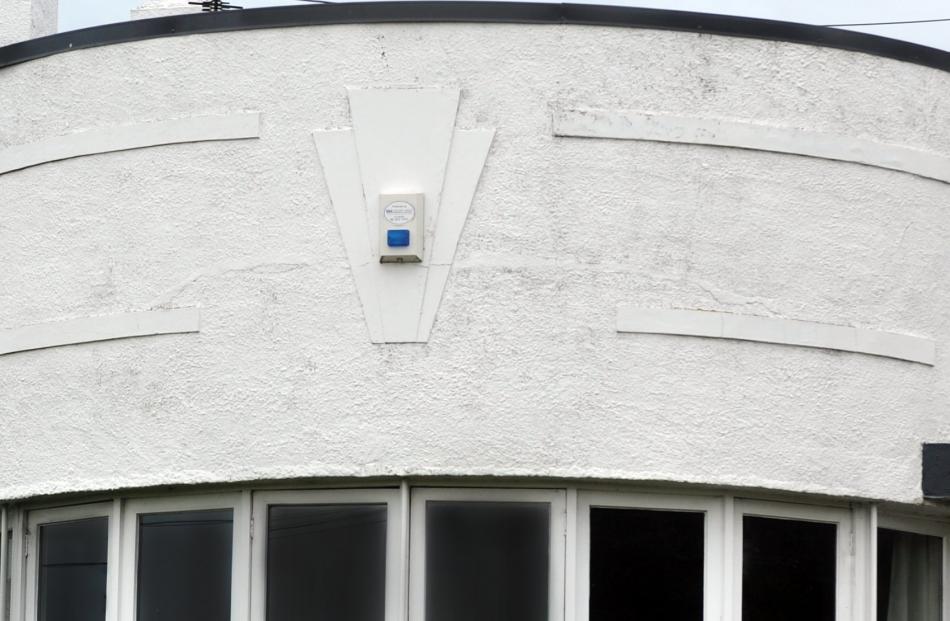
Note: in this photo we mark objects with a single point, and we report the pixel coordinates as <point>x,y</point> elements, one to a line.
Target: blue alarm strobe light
<point>398,238</point>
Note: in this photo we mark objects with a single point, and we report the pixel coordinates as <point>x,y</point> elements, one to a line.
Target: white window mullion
<point>241,560</point>
<point>872,561</point>
<point>404,539</point>
<point>17,565</point>
<point>730,594</point>
<point>571,555</point>
<point>864,589</point>
<point>114,569</point>
<point>557,554</point>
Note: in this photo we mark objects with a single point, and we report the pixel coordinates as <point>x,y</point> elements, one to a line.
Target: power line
<point>912,21</point>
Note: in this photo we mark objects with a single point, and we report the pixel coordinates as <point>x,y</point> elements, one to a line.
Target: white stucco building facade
<point>656,262</point>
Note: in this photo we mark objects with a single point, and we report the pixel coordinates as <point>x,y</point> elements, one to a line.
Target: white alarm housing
<point>401,227</point>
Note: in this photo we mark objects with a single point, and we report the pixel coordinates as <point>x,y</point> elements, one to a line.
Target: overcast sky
<point>81,13</point>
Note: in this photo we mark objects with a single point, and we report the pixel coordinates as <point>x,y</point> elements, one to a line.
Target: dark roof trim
<point>473,12</point>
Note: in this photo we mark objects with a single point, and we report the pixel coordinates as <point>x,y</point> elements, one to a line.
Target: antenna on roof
<point>213,6</point>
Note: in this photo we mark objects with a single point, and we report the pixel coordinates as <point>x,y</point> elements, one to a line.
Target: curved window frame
<point>842,518</point>
<point>933,527</point>
<point>713,548</point>
<point>239,503</point>
<point>37,519</point>
<point>856,544</point>
<point>394,538</point>
<point>417,554</point>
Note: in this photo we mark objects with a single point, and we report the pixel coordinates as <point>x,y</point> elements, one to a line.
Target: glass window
<point>487,560</point>
<point>909,576</point>
<point>184,566</point>
<point>326,562</point>
<point>646,564</point>
<point>788,570</point>
<point>72,570</point>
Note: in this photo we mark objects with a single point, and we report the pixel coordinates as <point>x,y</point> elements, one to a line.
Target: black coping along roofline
<point>472,12</point>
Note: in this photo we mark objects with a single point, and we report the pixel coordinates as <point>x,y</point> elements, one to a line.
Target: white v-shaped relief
<point>403,141</point>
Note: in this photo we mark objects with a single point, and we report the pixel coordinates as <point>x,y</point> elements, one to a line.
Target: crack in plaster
<point>257,265</point>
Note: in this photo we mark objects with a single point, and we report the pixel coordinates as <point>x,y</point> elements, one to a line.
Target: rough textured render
<point>403,141</point>
<point>44,18</point>
<point>16,19</point>
<point>523,373</point>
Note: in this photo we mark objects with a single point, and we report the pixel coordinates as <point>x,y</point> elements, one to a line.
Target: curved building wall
<point>524,372</point>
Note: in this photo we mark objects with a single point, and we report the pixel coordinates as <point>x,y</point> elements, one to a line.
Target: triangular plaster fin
<point>466,161</point>
<point>400,290</point>
<point>403,141</point>
<point>435,285</point>
<point>403,137</point>
<point>337,151</point>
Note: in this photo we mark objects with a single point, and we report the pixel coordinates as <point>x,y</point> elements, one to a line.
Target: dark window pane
<point>185,566</point>
<point>646,565</point>
<point>487,561</point>
<point>72,568</point>
<point>788,570</point>
<point>909,576</point>
<point>326,562</point>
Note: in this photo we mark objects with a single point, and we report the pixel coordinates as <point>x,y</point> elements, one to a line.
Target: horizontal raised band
<point>719,325</point>
<point>92,329</point>
<point>125,137</point>
<point>635,125</point>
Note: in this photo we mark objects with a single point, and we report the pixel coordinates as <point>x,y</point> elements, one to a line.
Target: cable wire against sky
<point>912,21</point>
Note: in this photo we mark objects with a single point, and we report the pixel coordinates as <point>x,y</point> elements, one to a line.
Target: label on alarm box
<point>399,212</point>
<point>401,228</point>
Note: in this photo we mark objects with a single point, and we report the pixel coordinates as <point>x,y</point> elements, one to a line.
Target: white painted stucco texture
<point>524,373</point>
<point>24,19</point>
<point>15,20</point>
